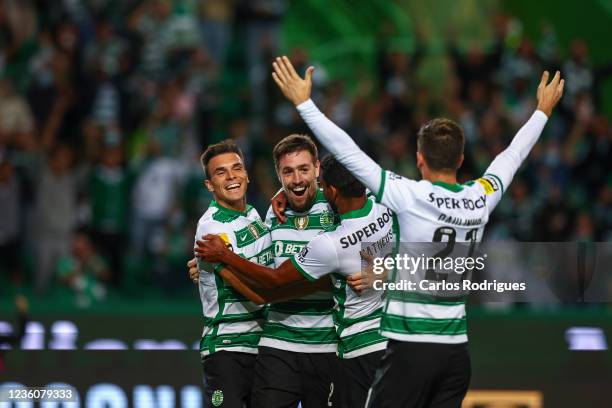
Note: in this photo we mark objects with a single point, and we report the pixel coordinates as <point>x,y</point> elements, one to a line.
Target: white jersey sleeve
<point>317,259</point>
<point>341,146</point>
<point>500,173</point>
<point>391,190</point>
<point>269,216</point>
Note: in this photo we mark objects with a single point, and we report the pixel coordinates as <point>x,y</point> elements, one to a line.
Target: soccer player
<point>232,323</point>
<point>364,225</point>
<point>427,362</point>
<point>297,352</point>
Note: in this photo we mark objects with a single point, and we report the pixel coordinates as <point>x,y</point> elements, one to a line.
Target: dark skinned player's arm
<point>213,249</point>
<point>259,295</point>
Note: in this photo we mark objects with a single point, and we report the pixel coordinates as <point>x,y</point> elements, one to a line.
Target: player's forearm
<point>508,162</point>
<point>261,276</point>
<point>341,146</point>
<point>242,286</point>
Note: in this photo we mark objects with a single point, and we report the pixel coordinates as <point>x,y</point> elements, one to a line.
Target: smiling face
<point>228,180</point>
<point>298,172</point>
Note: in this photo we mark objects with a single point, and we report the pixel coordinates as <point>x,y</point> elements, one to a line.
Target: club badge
<point>301,222</point>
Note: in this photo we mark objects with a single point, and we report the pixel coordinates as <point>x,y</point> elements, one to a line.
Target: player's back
<point>357,316</point>
<point>440,213</point>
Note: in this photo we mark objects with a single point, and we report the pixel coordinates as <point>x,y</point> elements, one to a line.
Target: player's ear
<point>420,160</point>
<point>208,185</point>
<point>317,168</point>
<point>460,162</point>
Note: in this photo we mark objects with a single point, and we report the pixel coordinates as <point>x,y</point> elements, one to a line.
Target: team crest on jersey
<point>253,229</point>
<point>217,398</point>
<point>326,219</point>
<point>489,183</point>
<point>301,222</point>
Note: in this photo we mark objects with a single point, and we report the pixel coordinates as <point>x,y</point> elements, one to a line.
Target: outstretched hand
<point>211,248</point>
<point>295,88</point>
<point>549,94</point>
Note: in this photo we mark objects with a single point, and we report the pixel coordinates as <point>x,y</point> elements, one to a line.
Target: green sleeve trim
<point>381,188</point>
<point>218,268</point>
<point>498,180</point>
<point>305,274</point>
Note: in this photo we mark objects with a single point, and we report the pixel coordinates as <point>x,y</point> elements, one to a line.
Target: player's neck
<point>348,204</point>
<point>449,178</point>
<point>238,205</point>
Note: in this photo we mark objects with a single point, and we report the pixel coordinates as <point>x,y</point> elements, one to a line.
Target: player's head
<point>297,166</point>
<point>440,145</point>
<point>226,175</point>
<point>338,183</point>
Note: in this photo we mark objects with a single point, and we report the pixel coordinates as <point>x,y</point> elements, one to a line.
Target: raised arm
<point>337,141</point>
<point>501,171</point>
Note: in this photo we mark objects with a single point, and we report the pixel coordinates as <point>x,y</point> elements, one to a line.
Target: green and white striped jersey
<point>306,324</point>
<point>428,212</point>
<point>337,252</point>
<point>231,321</point>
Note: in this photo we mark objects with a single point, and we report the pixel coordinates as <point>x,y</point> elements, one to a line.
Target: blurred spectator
<point>10,248</point>
<point>15,113</point>
<point>262,19</point>
<point>578,72</point>
<point>84,271</point>
<point>109,192</point>
<point>55,211</point>
<point>153,198</point>
<point>217,17</point>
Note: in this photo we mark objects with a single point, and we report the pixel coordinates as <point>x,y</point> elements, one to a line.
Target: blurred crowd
<point>105,107</point>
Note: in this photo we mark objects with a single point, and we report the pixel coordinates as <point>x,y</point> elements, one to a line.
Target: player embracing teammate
<point>426,363</point>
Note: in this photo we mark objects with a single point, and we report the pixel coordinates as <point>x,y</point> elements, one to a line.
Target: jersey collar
<point>229,211</point>
<point>455,188</point>
<point>362,212</point>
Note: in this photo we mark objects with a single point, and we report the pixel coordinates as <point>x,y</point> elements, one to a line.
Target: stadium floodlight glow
<point>586,339</point>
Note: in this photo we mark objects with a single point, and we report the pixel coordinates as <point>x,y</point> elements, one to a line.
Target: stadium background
<point>105,107</point>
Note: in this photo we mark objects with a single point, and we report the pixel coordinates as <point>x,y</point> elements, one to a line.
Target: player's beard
<point>309,198</point>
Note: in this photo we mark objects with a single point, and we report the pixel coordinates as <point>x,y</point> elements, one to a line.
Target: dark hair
<point>294,143</point>
<point>226,146</point>
<point>441,142</point>
<point>335,174</point>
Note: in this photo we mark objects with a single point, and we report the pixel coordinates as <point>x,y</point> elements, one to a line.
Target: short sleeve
<point>269,217</point>
<point>213,227</point>
<point>395,192</point>
<point>316,259</point>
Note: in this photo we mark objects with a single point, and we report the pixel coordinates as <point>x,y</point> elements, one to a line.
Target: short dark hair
<point>441,143</point>
<point>335,174</point>
<point>226,146</point>
<point>294,143</point>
